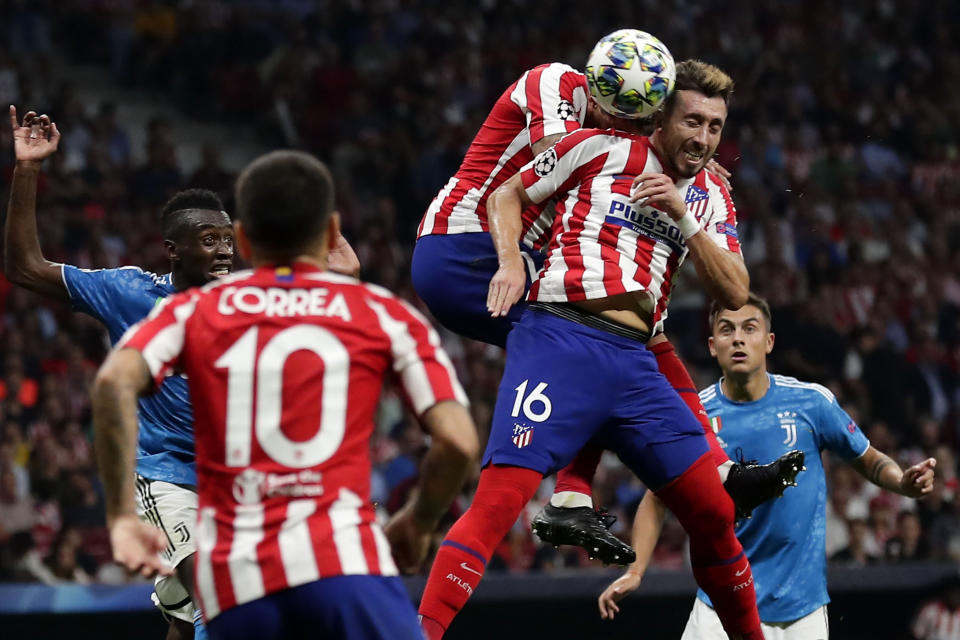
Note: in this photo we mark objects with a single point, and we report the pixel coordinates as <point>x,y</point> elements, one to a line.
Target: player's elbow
<point>452,430</point>
<point>735,297</point>
<point>24,273</point>
<point>460,442</point>
<point>16,273</point>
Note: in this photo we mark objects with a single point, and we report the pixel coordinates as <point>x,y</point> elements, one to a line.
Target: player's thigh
<point>173,509</point>
<point>704,624</point>
<point>813,626</point>
<point>452,274</point>
<point>556,393</point>
<point>655,434</point>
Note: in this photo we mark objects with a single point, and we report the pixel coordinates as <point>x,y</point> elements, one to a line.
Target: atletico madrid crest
<point>522,435</point>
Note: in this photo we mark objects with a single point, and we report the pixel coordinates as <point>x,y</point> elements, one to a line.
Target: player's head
<point>198,236</point>
<point>740,340</point>
<point>285,207</point>
<point>692,118</point>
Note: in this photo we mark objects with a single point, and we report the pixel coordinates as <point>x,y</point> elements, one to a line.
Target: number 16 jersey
<point>285,367</point>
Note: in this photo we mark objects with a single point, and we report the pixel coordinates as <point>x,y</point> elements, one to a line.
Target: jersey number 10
<point>241,360</point>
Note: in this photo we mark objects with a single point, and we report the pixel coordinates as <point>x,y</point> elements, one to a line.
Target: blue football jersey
<point>119,298</point>
<point>786,538</point>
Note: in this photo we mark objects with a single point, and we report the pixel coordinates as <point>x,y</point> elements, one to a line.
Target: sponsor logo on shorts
<point>183,531</point>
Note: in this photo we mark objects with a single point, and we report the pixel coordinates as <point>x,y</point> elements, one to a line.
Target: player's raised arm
<point>647,523</point>
<point>881,470</point>
<point>33,141</point>
<point>721,271</point>
<point>122,378</point>
<point>504,210</point>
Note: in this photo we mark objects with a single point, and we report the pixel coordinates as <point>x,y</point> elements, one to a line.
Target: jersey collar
<point>724,398</point>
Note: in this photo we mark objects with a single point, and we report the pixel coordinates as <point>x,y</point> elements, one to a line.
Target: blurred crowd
<point>842,138</point>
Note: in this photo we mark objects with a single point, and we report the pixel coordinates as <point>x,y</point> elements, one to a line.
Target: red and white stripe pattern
<point>937,622</point>
<point>260,390</point>
<point>546,100</point>
<point>524,438</point>
<point>603,245</point>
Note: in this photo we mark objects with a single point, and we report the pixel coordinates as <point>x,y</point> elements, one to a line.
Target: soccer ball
<point>630,73</point>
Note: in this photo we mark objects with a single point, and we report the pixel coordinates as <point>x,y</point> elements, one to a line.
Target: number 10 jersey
<point>285,367</point>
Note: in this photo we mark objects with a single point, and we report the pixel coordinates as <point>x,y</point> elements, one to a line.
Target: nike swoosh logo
<point>466,567</point>
<point>741,572</point>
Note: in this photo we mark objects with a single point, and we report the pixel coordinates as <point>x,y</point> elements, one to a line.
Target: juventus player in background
<point>578,368</point>
<point>288,359</point>
<point>454,260</point>
<point>785,540</point>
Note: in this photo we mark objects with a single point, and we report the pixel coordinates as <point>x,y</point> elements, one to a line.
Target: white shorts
<point>704,624</point>
<point>172,508</point>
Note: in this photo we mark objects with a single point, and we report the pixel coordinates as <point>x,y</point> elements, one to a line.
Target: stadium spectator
<point>940,619</point>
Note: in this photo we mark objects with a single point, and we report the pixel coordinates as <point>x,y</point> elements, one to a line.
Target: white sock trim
<point>571,500</point>
<point>724,470</point>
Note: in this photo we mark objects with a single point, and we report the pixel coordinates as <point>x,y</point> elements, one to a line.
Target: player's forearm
<point>545,143</point>
<point>647,524</point>
<point>505,214</point>
<point>880,469</point>
<point>114,403</point>
<point>24,264</point>
<point>453,449</point>
<point>721,272</point>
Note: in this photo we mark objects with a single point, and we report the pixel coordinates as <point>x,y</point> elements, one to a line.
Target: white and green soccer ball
<point>630,73</point>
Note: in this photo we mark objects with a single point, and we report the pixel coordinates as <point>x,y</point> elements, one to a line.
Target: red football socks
<point>462,558</point>
<point>679,378</point>
<point>578,475</point>
<point>721,568</point>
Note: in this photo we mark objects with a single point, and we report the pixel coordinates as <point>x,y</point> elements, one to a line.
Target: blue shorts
<point>347,607</point>
<point>452,274</point>
<point>566,384</point>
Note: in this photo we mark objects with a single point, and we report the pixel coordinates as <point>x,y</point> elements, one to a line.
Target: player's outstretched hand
<point>721,172</point>
<point>343,259</point>
<point>136,546</point>
<point>506,287</point>
<point>34,140</point>
<point>917,481</point>
<point>658,189</point>
<point>622,586</point>
<point>408,540</point>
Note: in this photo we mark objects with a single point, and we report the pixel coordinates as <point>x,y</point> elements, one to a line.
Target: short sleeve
<point>95,291</point>
<point>554,99</point>
<point>424,369</point>
<point>567,163</point>
<point>837,432</point>
<point>160,337</point>
<point>721,226</point>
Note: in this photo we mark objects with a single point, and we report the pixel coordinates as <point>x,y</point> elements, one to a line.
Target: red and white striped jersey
<point>937,622</point>
<point>285,368</point>
<point>546,100</point>
<point>602,245</point>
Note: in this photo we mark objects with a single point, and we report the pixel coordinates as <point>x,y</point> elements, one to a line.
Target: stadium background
<point>842,137</point>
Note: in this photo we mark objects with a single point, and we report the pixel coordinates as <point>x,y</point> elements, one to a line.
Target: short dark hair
<point>697,75</point>
<point>753,300</point>
<point>190,199</point>
<point>284,200</point>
